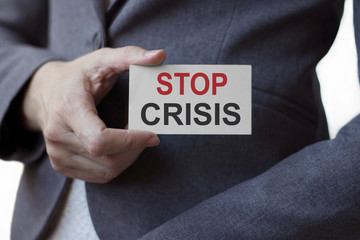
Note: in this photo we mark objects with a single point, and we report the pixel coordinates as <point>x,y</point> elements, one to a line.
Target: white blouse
<point>74,220</point>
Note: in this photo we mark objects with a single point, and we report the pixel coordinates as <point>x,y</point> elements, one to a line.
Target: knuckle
<point>109,162</point>
<point>49,131</point>
<point>96,145</point>
<point>50,134</point>
<point>51,127</point>
<point>105,51</point>
<point>99,54</point>
<point>109,174</point>
<point>127,50</point>
<point>60,168</point>
<point>50,150</point>
<point>61,108</point>
<point>130,141</point>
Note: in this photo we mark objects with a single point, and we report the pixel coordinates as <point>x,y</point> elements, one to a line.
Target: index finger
<point>99,140</point>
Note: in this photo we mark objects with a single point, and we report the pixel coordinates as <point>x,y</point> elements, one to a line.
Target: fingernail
<point>151,53</point>
<point>153,141</point>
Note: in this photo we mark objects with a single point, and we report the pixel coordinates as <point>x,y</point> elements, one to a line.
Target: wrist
<point>32,107</point>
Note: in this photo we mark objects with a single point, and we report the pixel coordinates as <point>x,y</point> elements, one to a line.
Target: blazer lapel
<point>99,10</point>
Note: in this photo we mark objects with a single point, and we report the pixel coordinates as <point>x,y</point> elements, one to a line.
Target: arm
<point>58,100</point>
<point>22,50</point>
<point>312,194</point>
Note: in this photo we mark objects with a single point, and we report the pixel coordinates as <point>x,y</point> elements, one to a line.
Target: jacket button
<point>97,41</point>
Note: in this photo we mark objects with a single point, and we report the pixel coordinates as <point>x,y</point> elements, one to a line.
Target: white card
<point>191,99</point>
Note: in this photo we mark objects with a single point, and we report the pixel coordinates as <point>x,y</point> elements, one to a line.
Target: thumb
<point>118,60</point>
<point>100,68</point>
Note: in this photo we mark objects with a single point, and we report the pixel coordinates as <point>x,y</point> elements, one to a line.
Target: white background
<point>341,95</point>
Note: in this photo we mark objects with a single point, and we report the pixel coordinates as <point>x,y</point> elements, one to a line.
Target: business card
<point>190,99</point>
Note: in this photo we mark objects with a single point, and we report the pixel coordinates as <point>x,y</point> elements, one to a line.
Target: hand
<point>61,102</point>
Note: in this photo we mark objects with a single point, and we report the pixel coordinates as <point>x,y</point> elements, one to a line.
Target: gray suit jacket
<point>285,181</point>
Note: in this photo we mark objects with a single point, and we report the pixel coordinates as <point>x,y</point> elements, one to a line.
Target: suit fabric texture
<point>285,181</point>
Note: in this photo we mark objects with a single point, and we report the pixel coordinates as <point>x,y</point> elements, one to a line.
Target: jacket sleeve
<point>312,194</point>
<point>23,37</point>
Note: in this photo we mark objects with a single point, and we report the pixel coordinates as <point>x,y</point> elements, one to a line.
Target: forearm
<point>312,194</point>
